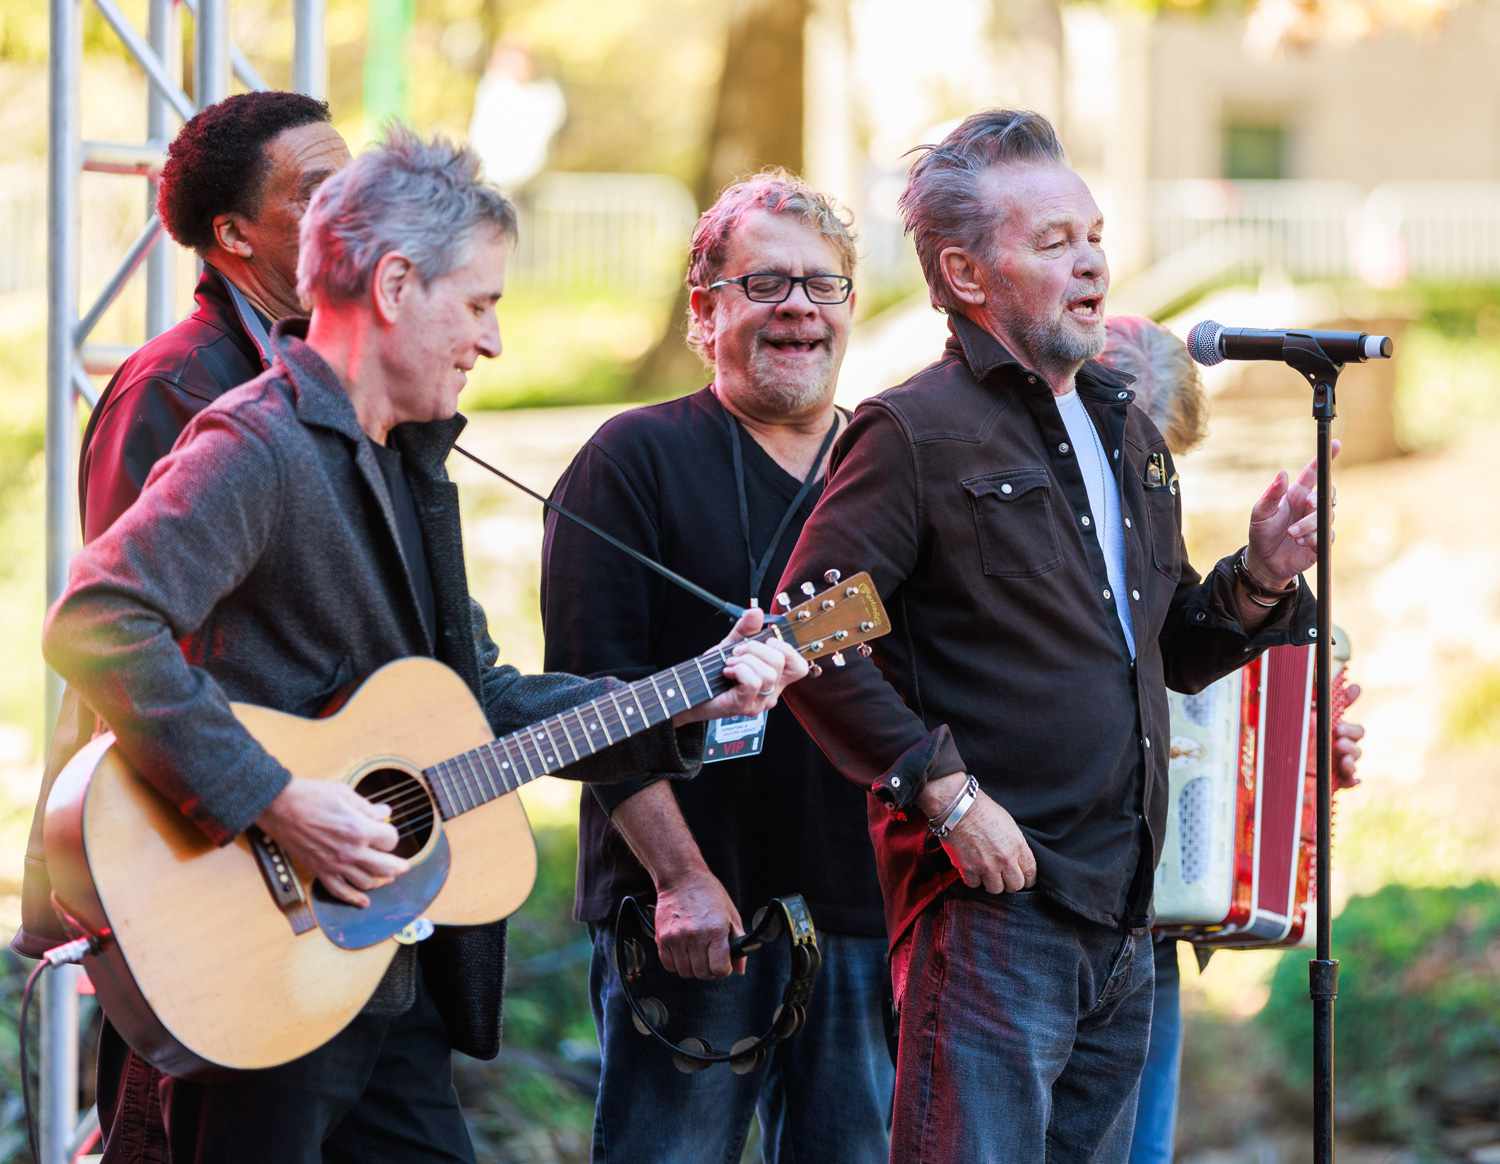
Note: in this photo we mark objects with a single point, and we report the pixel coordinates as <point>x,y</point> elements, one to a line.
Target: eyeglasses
<point>766,287</point>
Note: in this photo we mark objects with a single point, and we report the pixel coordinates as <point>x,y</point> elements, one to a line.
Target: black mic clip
<point>1304,354</point>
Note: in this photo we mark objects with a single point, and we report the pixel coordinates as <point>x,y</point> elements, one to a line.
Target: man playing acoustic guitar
<point>302,534</point>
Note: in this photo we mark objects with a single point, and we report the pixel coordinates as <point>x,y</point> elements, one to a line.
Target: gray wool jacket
<point>262,563</point>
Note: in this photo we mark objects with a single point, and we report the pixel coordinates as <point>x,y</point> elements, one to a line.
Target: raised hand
<point>1284,528</point>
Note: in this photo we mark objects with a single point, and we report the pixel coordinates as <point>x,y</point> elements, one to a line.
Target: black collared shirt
<point>961,494</point>
<point>153,395</point>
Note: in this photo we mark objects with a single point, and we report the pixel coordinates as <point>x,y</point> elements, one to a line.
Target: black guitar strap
<point>672,576</point>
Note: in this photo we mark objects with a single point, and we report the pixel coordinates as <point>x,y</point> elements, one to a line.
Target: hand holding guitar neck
<point>334,834</point>
<point>760,671</point>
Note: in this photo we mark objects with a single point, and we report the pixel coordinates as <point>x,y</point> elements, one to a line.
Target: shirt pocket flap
<point>1013,524</point>
<point>1007,485</point>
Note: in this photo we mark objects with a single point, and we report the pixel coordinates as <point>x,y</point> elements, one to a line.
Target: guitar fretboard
<point>478,776</point>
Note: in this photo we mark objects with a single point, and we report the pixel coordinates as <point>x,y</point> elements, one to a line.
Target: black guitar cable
<point>68,953</point>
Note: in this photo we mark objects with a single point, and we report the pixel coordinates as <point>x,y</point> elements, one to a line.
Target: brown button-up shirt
<point>960,493</point>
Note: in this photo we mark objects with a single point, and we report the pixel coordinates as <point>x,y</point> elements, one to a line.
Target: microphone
<point>1210,343</point>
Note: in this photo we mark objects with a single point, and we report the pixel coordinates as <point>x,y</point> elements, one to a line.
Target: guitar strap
<point>672,576</point>
<point>635,933</point>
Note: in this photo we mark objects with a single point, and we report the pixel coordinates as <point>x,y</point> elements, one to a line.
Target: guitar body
<point>230,957</point>
<point>202,966</point>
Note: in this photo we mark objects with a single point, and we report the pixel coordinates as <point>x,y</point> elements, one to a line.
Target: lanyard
<point>758,570</point>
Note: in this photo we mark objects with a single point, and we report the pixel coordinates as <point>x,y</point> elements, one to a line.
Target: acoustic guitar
<point>211,957</point>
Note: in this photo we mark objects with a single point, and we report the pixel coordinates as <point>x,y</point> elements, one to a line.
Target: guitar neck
<point>476,777</point>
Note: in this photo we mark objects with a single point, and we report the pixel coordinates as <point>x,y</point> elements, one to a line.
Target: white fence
<point>1315,230</point>
<point>629,232</point>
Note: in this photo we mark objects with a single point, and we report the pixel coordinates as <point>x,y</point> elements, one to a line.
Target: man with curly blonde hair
<point>717,485</point>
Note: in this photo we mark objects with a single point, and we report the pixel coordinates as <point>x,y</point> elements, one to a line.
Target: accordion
<point>1238,856</point>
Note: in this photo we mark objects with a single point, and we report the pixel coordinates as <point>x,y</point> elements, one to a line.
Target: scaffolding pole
<point>69,361</point>
<point>161,284</point>
<point>59,997</point>
<point>310,57</point>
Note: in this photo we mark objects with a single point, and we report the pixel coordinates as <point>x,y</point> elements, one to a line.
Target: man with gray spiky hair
<point>301,534</point>
<point>716,484</point>
<point>1023,525</point>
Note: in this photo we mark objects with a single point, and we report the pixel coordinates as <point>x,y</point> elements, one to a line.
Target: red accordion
<point>1237,860</point>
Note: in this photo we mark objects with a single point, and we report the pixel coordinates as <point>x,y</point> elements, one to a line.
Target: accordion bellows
<point>1237,859</point>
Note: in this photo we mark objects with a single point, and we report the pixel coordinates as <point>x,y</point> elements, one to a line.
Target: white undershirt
<point>1104,502</point>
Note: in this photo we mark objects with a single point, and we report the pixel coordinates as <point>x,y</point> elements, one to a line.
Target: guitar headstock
<point>847,614</point>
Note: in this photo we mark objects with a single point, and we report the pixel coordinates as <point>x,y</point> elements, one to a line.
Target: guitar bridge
<point>281,880</point>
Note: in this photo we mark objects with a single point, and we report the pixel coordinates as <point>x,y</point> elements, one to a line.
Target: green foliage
<point>14,970</point>
<point>536,1100</point>
<point>565,348</point>
<point>13,1146</point>
<point>1458,310</point>
<point>1475,715</point>
<point>1418,1015</point>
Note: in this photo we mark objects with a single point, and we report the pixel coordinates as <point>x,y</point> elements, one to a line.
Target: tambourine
<point>635,935</point>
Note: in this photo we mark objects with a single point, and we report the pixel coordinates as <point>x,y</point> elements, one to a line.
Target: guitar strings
<point>411,806</point>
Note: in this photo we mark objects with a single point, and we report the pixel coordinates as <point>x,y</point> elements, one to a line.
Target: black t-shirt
<point>661,479</point>
<point>393,469</point>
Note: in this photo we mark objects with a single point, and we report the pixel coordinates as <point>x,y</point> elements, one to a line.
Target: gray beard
<point>775,393</point>
<point>1056,343</point>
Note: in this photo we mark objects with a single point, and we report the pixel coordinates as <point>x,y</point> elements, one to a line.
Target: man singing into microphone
<point>1023,523</point>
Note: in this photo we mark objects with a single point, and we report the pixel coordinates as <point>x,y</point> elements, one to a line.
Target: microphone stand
<point>1304,354</point>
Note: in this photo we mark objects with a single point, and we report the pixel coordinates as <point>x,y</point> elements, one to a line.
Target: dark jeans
<point>1023,1032</point>
<point>381,1090</point>
<point>1156,1110</point>
<point>823,1096</point>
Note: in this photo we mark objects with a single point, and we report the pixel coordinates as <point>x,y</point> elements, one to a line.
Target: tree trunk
<point>756,122</point>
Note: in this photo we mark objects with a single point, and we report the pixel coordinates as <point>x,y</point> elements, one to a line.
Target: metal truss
<point>71,358</point>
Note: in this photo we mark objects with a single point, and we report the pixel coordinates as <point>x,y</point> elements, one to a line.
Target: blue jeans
<point>1156,1110</point>
<point>823,1095</point>
<point>1023,1032</point>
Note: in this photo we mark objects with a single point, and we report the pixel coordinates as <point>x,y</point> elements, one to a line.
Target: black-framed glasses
<point>769,287</point>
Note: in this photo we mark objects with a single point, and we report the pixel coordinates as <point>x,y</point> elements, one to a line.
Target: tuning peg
<point>784,600</point>
<point>838,658</point>
<point>814,671</point>
<point>808,588</point>
<point>866,650</point>
<point>831,576</point>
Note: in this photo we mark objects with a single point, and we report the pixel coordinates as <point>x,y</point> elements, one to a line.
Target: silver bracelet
<point>957,810</point>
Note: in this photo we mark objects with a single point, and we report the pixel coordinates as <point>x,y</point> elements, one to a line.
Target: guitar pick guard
<point>391,906</point>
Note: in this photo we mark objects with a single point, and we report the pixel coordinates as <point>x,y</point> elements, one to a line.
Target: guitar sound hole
<point>412,808</point>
